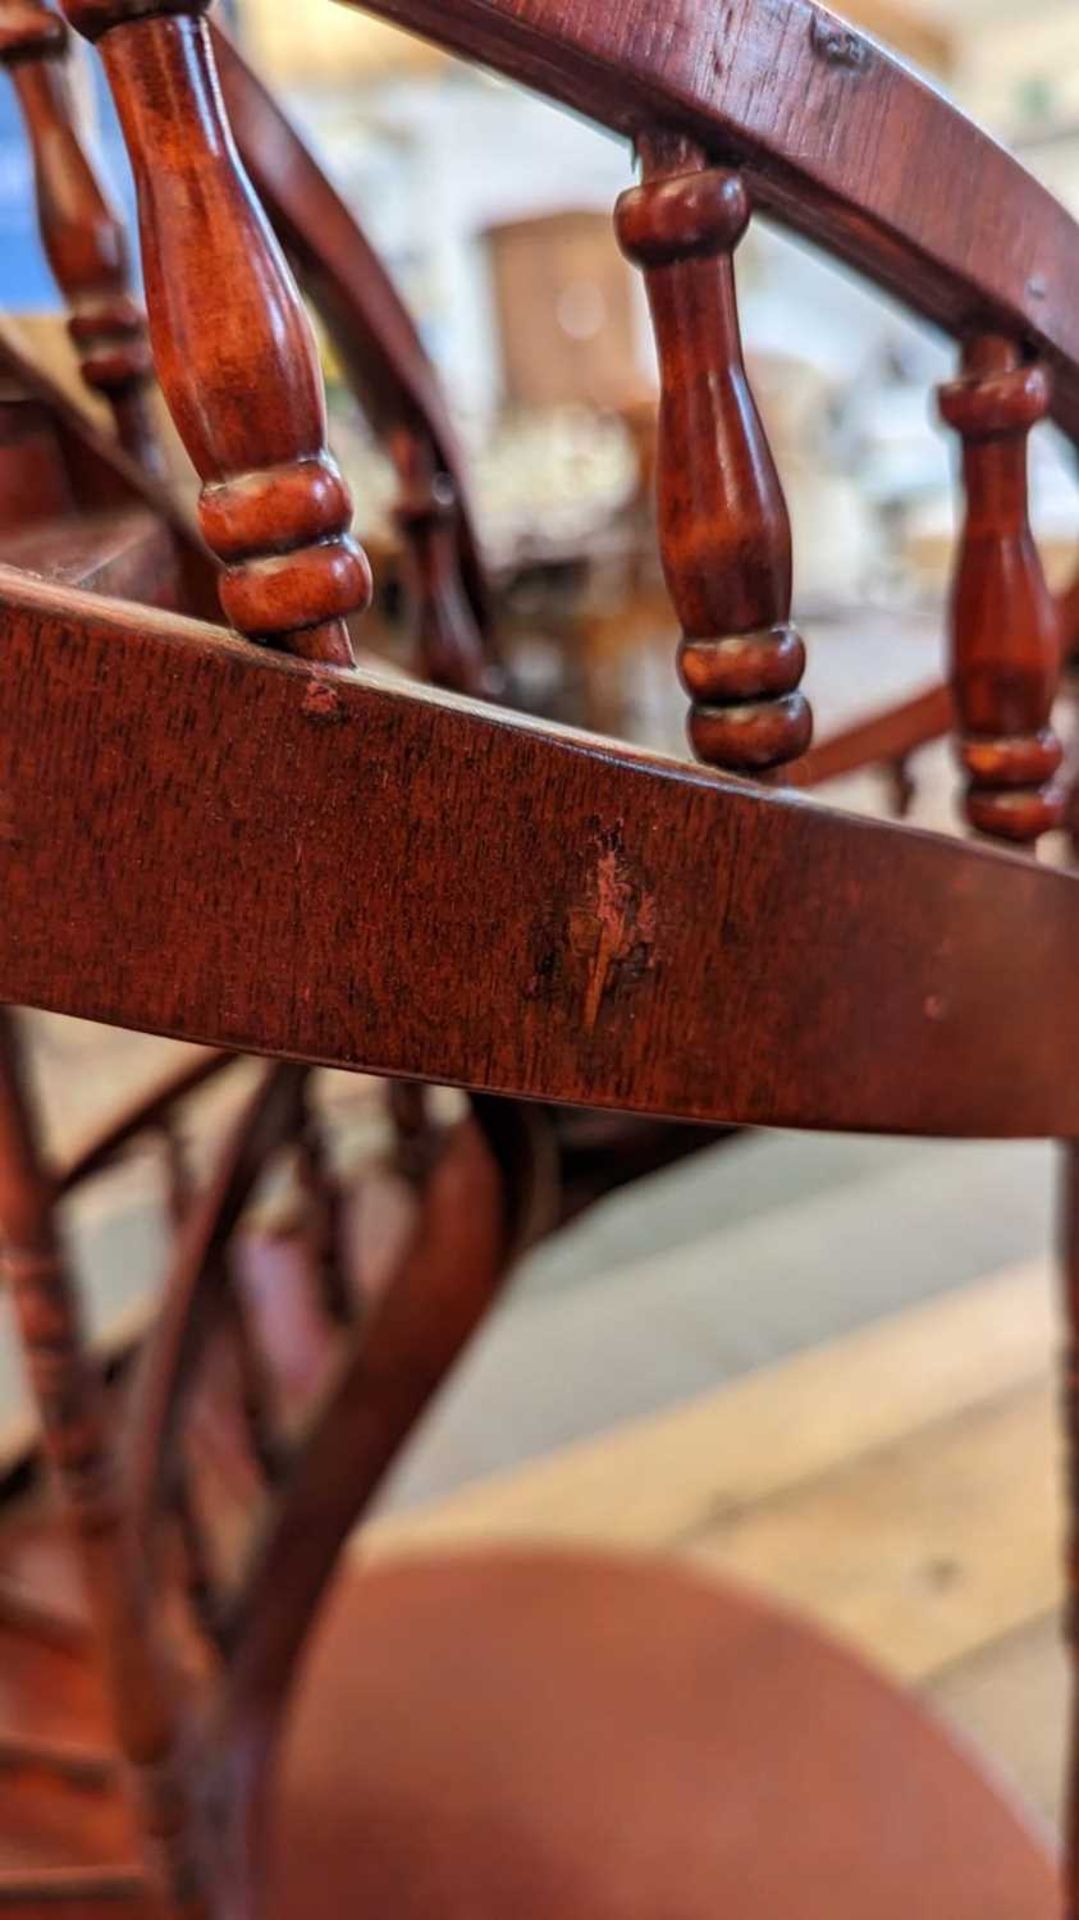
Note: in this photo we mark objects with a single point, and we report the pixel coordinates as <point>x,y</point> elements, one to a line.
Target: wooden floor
<point>902,1486</point>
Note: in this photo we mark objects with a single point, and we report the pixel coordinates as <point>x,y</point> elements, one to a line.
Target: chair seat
<point>510,1737</point>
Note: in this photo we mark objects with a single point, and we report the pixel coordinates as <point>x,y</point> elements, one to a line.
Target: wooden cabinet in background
<point>567,312</point>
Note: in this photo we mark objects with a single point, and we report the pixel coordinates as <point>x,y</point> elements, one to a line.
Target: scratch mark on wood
<point>840,46</point>
<point>614,933</point>
<point>321,701</point>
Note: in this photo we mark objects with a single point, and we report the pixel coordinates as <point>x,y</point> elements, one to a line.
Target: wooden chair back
<point>256,846</point>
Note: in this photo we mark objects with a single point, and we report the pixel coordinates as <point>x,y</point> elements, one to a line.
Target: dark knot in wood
<point>838,45</point>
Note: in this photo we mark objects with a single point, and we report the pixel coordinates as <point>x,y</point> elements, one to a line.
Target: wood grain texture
<point>372,331</point>
<point>74,474</point>
<point>835,137</point>
<point>232,344</point>
<point>651,937</point>
<point>1006,638</point>
<point>77,1436</point>
<point>724,529</point>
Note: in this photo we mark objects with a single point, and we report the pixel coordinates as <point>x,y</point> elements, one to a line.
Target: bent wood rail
<point>787,109</point>
<point>834,136</point>
<point>798,142</point>
<point>621,943</point>
<point>652,938</point>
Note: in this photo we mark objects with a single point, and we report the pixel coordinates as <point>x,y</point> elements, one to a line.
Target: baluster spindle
<point>82,234</point>
<point>178,1182</point>
<point>326,1212</point>
<point>234,349</point>
<point>1007,648</point>
<point>724,530</point>
<point>1005,623</point>
<point>75,1437</point>
<point>449,648</point>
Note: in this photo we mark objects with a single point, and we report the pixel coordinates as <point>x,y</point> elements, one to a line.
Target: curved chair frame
<point>881,994</point>
<point>836,137</point>
<point>332,869</point>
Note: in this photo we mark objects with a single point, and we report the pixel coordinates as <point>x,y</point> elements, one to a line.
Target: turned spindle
<point>69,1396</point>
<point>724,529</point>
<point>233,346</point>
<point>1005,624</point>
<point>81,232</point>
<point>449,649</point>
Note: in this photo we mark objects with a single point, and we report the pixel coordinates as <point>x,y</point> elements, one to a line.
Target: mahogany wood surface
<point>1069,618</point>
<point>266,850</point>
<point>232,344</point>
<point>372,331</point>
<point>198,1730</point>
<point>835,136</point>
<point>126,552</point>
<point>479,1203</point>
<point>453,649</point>
<point>59,473</point>
<point>678,945</point>
<point>724,530</point>
<point>76,1436</point>
<point>1006,624</point>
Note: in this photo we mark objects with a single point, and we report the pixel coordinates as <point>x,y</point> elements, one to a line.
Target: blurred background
<point>896,1295</point>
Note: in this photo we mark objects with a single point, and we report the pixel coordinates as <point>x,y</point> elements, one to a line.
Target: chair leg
<point>1069,1252</point>
<point>47,1310</point>
<point>76,1441</point>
